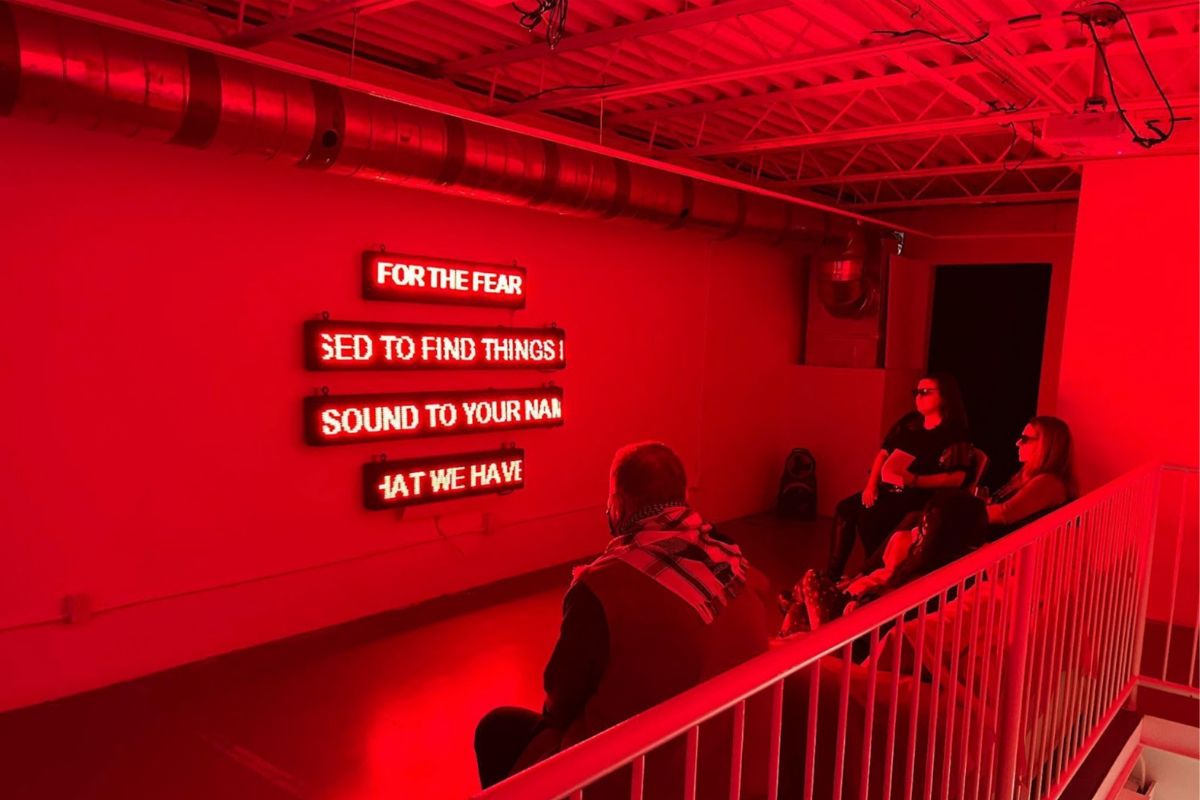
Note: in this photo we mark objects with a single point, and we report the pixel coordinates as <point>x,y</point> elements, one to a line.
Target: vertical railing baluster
<point>915,709</point>
<point>869,716</point>
<point>1072,587</point>
<point>1119,625</point>
<point>1007,616</point>
<point>1042,638</point>
<point>992,656</point>
<point>839,761</point>
<point>1103,556</point>
<point>738,744</point>
<point>1192,664</point>
<point>776,739</point>
<point>1125,668</point>
<point>1101,606</point>
<point>1061,601</point>
<point>1145,553</point>
<point>935,667</point>
<point>810,738</point>
<point>1014,675</point>
<point>1175,577</point>
<point>691,765</point>
<point>889,753</point>
<point>952,700</point>
<point>637,784</point>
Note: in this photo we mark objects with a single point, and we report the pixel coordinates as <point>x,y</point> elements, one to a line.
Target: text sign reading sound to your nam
<point>347,419</point>
<point>341,345</point>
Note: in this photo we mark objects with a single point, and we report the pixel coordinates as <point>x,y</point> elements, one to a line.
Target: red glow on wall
<point>417,279</point>
<point>394,484</point>
<point>348,419</point>
<point>330,345</point>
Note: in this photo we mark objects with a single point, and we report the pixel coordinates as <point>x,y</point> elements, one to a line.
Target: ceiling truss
<point>840,99</point>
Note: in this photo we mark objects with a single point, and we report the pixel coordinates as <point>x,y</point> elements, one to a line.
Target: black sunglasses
<point>923,392</point>
<point>1023,439</point>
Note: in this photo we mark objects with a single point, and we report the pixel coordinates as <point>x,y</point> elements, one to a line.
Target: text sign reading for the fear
<point>394,484</point>
<point>418,279</point>
<point>374,417</point>
<point>336,345</point>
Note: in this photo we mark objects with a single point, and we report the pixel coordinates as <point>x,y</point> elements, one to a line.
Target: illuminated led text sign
<point>394,484</point>
<point>387,276</point>
<point>330,345</point>
<point>374,417</point>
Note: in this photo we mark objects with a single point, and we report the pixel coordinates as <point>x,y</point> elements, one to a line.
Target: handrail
<point>584,763</point>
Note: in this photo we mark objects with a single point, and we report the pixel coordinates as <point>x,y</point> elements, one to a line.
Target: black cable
<point>1157,86</point>
<point>554,12</point>
<point>568,86</point>
<point>994,106</point>
<point>938,36</point>
<point>1028,153</point>
<point>1160,136</point>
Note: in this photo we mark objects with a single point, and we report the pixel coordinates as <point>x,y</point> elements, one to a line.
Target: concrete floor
<point>378,708</point>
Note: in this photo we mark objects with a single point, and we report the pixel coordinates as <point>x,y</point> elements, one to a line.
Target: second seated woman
<point>1044,480</point>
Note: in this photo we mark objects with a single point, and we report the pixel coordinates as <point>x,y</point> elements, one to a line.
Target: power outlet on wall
<point>76,608</point>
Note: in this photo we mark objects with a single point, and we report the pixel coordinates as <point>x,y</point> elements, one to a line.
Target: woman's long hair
<point>1056,452</point>
<point>954,524</point>
<point>954,413</point>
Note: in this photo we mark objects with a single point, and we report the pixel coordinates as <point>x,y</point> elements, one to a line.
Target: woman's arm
<point>877,467</point>
<point>896,550</point>
<point>871,492</point>
<point>1040,493</point>
<point>939,480</point>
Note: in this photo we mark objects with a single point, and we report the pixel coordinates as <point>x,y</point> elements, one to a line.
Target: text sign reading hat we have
<point>417,279</point>
<point>394,484</point>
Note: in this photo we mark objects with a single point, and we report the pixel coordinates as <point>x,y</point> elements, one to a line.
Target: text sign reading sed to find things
<point>395,484</point>
<point>339,345</point>
<point>347,419</point>
<point>417,279</point>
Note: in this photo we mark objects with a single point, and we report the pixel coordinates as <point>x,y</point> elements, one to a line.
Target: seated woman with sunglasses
<point>953,524</point>
<point>932,452</point>
<point>1044,480</point>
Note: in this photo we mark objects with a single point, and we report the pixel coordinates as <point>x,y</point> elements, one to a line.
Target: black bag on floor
<point>798,486</point>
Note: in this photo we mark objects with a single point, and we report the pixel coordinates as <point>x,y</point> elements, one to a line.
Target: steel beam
<point>308,20</point>
<point>664,24</point>
<point>971,200</point>
<point>907,130</point>
<point>777,66</point>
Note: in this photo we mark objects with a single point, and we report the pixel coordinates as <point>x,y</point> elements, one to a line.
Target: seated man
<point>665,607</point>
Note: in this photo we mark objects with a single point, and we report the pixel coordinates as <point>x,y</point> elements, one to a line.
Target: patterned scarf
<point>682,553</point>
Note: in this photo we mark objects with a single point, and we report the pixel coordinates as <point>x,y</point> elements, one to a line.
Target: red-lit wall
<point>151,349</point>
<point>1128,382</point>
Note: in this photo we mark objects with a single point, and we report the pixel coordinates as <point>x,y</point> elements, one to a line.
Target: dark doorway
<point>989,325</point>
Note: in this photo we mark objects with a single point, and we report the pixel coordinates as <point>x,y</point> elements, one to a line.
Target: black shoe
<point>786,599</point>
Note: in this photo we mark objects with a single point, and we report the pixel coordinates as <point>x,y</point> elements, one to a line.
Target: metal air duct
<point>60,69</point>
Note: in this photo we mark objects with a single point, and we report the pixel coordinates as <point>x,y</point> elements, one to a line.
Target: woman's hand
<point>857,587</point>
<point>908,480</point>
<point>870,495</point>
